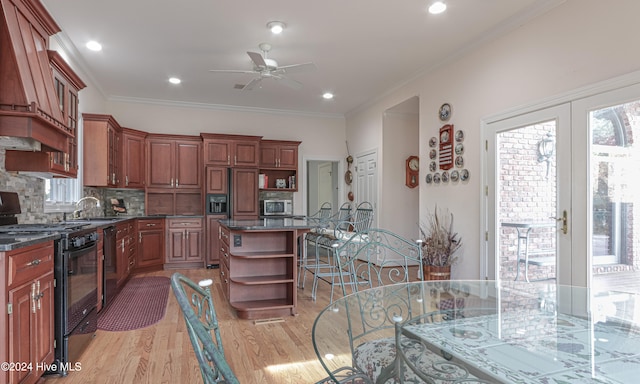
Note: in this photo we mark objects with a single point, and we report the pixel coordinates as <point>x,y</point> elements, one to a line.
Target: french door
<point>527,197</point>
<point>563,192</point>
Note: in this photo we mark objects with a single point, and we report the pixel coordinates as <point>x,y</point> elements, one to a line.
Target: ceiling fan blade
<point>250,85</point>
<point>230,71</point>
<point>257,59</point>
<point>288,82</point>
<point>297,68</point>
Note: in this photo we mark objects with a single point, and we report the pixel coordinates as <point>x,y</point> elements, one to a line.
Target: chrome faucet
<point>76,213</point>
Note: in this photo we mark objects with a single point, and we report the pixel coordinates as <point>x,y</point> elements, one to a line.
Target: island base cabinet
<point>261,277</point>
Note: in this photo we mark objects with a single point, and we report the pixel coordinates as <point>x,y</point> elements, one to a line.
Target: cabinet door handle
<point>33,297</point>
<point>139,237</point>
<point>171,182</point>
<point>40,295</point>
<point>228,160</point>
<point>235,159</point>
<point>126,180</point>
<point>176,183</point>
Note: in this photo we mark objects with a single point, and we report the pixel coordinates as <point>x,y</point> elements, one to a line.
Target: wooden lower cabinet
<point>124,251</point>
<point>29,313</point>
<point>151,242</point>
<point>261,271</point>
<point>213,239</point>
<point>184,243</point>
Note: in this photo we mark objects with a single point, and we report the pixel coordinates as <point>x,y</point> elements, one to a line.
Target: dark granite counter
<point>10,242</point>
<point>267,224</point>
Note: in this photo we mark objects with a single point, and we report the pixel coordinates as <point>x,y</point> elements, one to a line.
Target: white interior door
<point>527,186</point>
<point>325,184</point>
<point>367,181</point>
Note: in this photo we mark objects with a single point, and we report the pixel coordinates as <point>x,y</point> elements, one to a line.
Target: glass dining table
<point>480,331</point>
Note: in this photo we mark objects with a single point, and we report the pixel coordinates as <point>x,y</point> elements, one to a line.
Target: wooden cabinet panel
<point>45,319</point>
<point>245,193</point>
<point>218,152</point>
<point>150,243</point>
<point>101,159</point>
<point>160,163</point>
<point>268,156</point>
<point>216,179</point>
<point>133,159</point>
<point>231,150</point>
<point>185,244</point>
<point>188,166</point>
<point>213,239</point>
<point>246,153</point>
<point>21,331</point>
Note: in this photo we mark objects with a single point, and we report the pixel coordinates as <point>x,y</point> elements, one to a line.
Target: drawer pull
<point>151,225</point>
<point>34,262</point>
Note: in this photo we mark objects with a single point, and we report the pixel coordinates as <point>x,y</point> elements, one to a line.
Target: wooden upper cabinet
<point>188,167</point>
<point>216,180</point>
<point>102,151</point>
<point>231,150</point>
<point>133,159</point>
<point>279,154</point>
<point>245,193</point>
<point>174,162</point>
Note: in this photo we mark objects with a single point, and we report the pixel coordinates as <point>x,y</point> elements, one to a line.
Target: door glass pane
<point>615,187</point>
<point>526,202</point>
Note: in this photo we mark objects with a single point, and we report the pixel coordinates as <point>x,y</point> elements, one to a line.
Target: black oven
<point>76,295</point>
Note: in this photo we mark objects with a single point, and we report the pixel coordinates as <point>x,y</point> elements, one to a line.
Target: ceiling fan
<point>267,68</point>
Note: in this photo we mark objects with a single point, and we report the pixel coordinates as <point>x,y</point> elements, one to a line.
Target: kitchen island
<point>258,263</point>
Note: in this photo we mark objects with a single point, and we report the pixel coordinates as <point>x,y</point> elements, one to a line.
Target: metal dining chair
<point>319,220</point>
<point>320,239</point>
<point>202,324</point>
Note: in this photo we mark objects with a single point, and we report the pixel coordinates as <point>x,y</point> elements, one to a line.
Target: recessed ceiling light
<point>276,27</point>
<point>174,80</point>
<point>327,95</point>
<point>94,46</point>
<point>437,7</point>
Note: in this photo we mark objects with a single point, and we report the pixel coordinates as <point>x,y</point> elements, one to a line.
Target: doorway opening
<point>322,184</point>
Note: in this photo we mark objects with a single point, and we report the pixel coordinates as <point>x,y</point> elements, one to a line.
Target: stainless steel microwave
<point>277,207</point>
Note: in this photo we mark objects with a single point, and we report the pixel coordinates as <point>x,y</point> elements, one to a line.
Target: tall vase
<point>432,272</point>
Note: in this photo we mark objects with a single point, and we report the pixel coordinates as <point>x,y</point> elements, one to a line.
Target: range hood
<point>30,112</point>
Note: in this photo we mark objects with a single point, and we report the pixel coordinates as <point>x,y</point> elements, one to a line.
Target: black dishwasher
<point>110,274</point>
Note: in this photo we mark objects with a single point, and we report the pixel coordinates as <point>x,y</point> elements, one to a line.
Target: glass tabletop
<point>487,331</point>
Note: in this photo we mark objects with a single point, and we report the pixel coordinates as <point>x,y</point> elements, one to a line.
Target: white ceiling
<point>361,48</point>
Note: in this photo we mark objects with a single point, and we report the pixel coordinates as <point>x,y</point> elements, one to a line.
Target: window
<point>61,194</point>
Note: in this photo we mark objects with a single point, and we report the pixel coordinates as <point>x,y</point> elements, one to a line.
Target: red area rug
<point>141,303</point>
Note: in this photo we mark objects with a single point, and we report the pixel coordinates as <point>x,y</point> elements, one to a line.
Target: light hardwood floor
<point>270,353</point>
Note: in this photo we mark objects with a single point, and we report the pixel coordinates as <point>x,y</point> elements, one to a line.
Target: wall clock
<point>412,171</point>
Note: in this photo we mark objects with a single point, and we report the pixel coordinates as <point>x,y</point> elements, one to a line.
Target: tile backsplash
<point>31,193</point>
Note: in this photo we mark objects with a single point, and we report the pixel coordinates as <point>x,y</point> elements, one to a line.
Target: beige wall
<point>319,135</point>
<point>576,44</point>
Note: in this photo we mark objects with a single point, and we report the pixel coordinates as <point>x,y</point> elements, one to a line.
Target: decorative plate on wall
<point>348,177</point>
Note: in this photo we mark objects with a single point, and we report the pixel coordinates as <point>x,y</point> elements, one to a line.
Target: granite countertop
<point>266,224</point>
<point>10,242</point>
